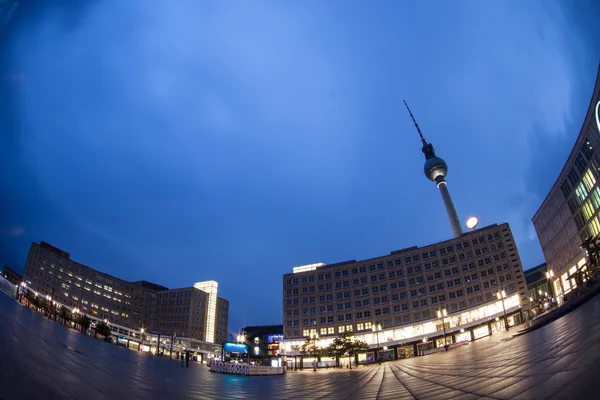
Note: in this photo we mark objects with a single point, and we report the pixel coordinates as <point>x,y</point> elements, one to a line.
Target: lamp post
<point>314,337</point>
<point>501,295</point>
<point>376,329</point>
<point>75,313</point>
<point>441,314</point>
<point>141,339</point>
<point>550,278</point>
<point>172,340</point>
<point>242,339</point>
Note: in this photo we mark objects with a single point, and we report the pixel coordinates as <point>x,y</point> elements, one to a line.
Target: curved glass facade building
<point>569,216</point>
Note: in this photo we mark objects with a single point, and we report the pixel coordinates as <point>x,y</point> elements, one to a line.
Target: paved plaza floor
<point>40,359</point>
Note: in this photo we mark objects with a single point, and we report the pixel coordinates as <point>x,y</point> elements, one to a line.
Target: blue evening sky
<point>181,141</point>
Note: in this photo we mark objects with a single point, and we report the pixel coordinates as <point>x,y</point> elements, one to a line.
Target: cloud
<point>14,231</point>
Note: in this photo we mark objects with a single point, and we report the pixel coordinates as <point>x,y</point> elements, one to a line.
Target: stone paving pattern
<point>40,359</point>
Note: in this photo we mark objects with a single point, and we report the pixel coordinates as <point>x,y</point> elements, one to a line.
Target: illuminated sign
<point>598,116</point>
<point>275,338</point>
<point>239,348</point>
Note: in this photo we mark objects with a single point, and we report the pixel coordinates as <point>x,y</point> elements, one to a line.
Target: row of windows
<point>401,284</point>
<point>407,260</point>
<point>412,281</point>
<point>414,293</point>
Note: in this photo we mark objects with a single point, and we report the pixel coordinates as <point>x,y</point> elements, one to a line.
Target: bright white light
<point>211,288</point>
<point>598,116</point>
<point>309,267</point>
<point>472,222</point>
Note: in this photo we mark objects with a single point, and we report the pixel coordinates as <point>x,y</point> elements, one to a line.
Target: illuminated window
<point>323,331</point>
<point>581,193</point>
<point>341,329</point>
<point>589,180</point>
<point>588,210</point>
<point>596,198</point>
<point>595,226</point>
<point>367,325</point>
<point>305,332</point>
<point>330,330</point>
<point>360,327</point>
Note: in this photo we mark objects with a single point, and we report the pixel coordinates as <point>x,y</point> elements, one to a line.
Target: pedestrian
<point>187,359</point>
<point>182,359</point>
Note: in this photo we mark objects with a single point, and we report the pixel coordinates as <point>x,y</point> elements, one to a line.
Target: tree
<point>309,347</point>
<point>66,315</point>
<point>43,304</point>
<point>346,344</point>
<point>103,329</point>
<point>357,346</point>
<point>84,322</point>
<point>337,348</point>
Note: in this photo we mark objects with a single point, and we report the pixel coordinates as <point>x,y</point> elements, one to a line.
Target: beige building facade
<point>192,313</point>
<point>400,294</point>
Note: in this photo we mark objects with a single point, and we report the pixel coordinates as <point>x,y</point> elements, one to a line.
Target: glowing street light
<point>242,339</point>
<point>314,337</point>
<point>441,314</point>
<point>376,330</point>
<point>501,295</point>
<point>472,222</point>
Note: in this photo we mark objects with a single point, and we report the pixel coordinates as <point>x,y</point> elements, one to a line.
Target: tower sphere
<point>435,168</point>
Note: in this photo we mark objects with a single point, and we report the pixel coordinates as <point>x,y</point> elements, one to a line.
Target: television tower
<point>436,170</point>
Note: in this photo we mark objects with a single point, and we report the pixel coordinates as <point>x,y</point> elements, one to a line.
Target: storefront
<point>481,331</point>
<point>386,354</point>
<point>463,336</point>
<point>406,351</point>
<point>441,342</point>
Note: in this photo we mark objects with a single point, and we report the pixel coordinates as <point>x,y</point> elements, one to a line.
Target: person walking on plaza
<point>187,359</point>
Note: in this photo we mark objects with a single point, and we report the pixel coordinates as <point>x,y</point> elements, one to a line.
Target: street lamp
<point>501,295</point>
<point>441,314</point>
<point>242,339</point>
<point>376,330</point>
<point>314,337</point>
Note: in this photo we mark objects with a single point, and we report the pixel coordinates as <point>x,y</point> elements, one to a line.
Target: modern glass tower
<point>436,170</point>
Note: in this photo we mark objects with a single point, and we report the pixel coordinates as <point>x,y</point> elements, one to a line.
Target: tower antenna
<point>415,121</point>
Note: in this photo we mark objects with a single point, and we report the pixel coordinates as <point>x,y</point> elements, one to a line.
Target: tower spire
<point>436,169</point>
<point>415,122</point>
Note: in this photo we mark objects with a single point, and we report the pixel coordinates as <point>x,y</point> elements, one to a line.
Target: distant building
<point>50,272</point>
<point>568,216</point>
<point>541,291</point>
<point>537,281</point>
<point>195,313</point>
<point>264,340</point>
<point>12,276</point>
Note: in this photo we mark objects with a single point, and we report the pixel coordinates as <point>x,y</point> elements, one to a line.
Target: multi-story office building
<point>51,272</point>
<point>415,299</point>
<point>401,294</point>
<point>569,214</point>
<point>188,312</point>
<point>195,313</point>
